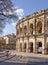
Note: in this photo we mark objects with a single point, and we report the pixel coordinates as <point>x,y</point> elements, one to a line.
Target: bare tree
<point>6,12</point>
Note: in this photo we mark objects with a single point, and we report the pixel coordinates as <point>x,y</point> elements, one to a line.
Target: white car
<point>40,49</point>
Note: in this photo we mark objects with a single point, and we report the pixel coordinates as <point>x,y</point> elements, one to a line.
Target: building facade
<point>32,33</point>
<point>8,42</point>
<point>2,43</point>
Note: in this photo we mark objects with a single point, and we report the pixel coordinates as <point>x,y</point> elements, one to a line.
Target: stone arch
<point>20,47</point>
<point>31,28</point>
<point>25,29</point>
<point>31,46</point>
<point>25,45</point>
<point>39,27</point>
<point>20,30</point>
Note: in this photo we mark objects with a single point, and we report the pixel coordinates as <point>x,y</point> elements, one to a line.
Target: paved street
<point>10,63</point>
<point>13,59</point>
<point>33,63</point>
<point>19,60</point>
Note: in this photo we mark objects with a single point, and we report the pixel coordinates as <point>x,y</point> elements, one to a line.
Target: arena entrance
<point>20,47</point>
<point>31,47</point>
<point>25,47</point>
<point>39,47</point>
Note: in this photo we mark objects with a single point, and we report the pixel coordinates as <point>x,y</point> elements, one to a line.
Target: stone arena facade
<point>32,33</point>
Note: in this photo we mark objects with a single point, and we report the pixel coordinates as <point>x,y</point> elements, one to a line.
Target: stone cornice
<point>34,15</point>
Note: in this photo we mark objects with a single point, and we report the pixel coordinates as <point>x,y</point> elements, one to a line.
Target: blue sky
<point>25,7</point>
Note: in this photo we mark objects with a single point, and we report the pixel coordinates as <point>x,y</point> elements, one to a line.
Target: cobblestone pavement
<point>20,60</point>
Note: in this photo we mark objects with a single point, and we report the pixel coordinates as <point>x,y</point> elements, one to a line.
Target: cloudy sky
<point>24,8</point>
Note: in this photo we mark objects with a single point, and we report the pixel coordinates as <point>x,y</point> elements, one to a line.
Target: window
<point>25,30</point>
<point>20,30</point>
<point>39,27</point>
<point>31,47</point>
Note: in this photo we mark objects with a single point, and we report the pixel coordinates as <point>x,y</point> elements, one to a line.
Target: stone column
<point>44,46</point>
<point>35,37</point>
<point>36,47</point>
<point>44,42</point>
<point>34,32</point>
<point>28,27</point>
<point>43,49</point>
<point>19,45</point>
<point>19,31</point>
<point>28,47</point>
<point>23,29</point>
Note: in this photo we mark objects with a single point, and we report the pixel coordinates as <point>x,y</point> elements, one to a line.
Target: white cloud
<point>14,24</point>
<point>20,13</point>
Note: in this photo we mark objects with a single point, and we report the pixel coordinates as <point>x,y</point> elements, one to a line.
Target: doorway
<point>31,47</point>
<point>39,47</point>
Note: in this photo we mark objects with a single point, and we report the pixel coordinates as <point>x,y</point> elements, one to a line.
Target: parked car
<point>40,50</point>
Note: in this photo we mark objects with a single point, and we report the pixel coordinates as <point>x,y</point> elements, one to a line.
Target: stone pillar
<point>28,27</point>
<point>35,36</point>
<point>36,48</point>
<point>44,49</point>
<point>44,43</point>
<point>34,32</point>
<point>23,29</point>
<point>19,45</point>
<point>28,46</point>
<point>18,34</point>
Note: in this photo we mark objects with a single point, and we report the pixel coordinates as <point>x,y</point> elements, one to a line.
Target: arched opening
<point>39,47</point>
<point>31,28</point>
<point>25,30</point>
<point>20,47</point>
<point>31,47</point>
<point>20,30</point>
<point>25,47</point>
<point>39,27</point>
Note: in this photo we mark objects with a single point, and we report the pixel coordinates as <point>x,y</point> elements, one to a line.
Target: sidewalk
<point>32,55</point>
<point>28,54</point>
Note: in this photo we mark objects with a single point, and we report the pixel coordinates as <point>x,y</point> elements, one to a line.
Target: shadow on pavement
<point>11,63</point>
<point>37,63</point>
